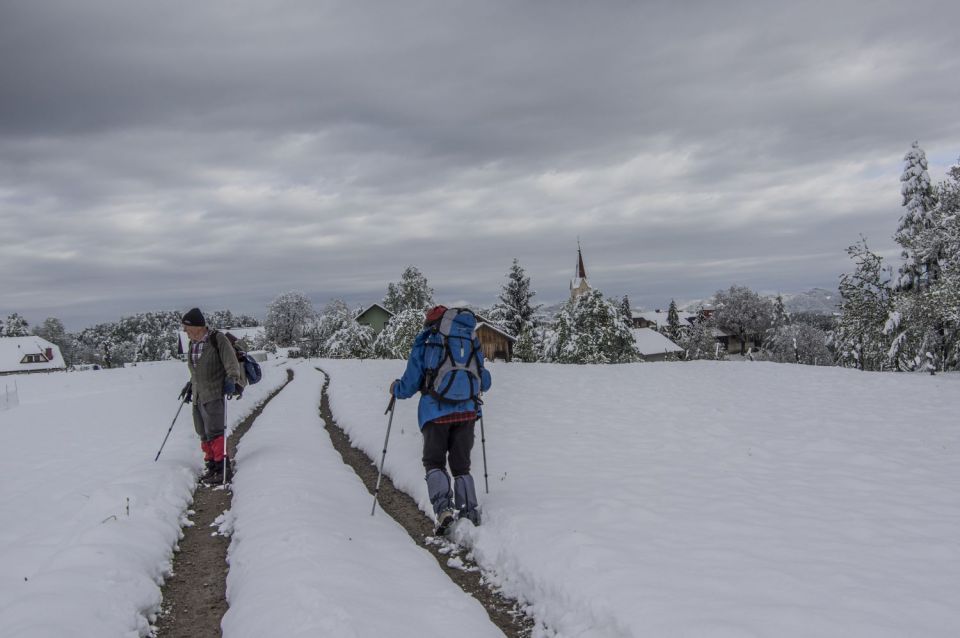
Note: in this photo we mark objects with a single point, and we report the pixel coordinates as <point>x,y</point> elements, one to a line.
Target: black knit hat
<point>194,318</point>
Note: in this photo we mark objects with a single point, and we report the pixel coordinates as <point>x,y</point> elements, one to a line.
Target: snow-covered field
<point>705,499</point>
<point>673,499</point>
<point>88,520</point>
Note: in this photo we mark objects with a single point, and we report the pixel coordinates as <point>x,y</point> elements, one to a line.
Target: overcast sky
<point>161,155</point>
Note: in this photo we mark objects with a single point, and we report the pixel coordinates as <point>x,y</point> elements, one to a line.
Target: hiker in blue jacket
<point>446,367</point>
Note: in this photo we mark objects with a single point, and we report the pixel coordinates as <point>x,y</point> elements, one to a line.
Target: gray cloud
<point>160,155</point>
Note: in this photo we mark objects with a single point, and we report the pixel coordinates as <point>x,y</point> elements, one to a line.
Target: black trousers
<point>441,440</point>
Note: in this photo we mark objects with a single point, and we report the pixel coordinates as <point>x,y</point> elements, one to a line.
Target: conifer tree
<point>917,232</point>
<point>513,311</point>
<point>591,329</point>
<point>412,292</point>
<point>673,321</point>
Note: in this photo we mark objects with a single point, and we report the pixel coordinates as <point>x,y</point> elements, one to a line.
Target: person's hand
<point>232,390</point>
<point>393,386</point>
<point>187,393</point>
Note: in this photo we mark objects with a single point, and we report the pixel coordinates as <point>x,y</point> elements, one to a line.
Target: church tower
<point>579,285</point>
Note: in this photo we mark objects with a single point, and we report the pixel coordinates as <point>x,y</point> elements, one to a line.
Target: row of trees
<point>908,320</point>
<point>148,336</point>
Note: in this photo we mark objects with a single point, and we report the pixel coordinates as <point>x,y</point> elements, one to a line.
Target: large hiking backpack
<point>451,365</point>
<point>251,367</point>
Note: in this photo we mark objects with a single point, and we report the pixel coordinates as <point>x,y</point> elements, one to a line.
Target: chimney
<point>49,354</point>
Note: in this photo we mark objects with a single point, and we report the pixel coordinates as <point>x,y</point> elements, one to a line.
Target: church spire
<point>579,285</point>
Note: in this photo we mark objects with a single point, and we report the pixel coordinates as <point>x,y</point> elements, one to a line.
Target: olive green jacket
<point>217,362</point>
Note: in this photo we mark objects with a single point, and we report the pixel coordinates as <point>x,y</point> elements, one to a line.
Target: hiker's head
<point>194,324</point>
<point>434,315</point>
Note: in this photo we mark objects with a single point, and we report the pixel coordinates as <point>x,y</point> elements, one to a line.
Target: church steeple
<point>579,285</point>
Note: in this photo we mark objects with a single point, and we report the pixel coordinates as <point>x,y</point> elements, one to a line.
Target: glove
<point>187,393</point>
<point>232,390</point>
<point>393,387</point>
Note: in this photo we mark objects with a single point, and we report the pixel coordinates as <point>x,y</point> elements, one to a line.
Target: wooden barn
<point>497,344</point>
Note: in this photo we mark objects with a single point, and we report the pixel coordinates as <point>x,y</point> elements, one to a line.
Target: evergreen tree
<point>626,310</point>
<point>917,233</point>
<point>513,311</point>
<point>591,329</point>
<point>289,316</point>
<point>16,326</point>
<point>866,306</point>
<point>411,293</point>
<point>673,322</point>
<point>525,348</point>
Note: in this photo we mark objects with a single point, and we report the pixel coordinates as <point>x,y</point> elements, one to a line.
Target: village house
<point>29,354</point>
<point>376,317</point>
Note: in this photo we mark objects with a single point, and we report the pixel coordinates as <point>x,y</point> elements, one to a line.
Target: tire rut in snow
<point>195,596</point>
<point>504,612</point>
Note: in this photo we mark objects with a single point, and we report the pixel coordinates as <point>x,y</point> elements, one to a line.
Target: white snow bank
<point>89,520</point>
<point>307,559</point>
<point>704,499</point>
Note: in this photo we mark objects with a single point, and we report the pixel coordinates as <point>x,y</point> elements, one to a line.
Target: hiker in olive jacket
<point>214,373</point>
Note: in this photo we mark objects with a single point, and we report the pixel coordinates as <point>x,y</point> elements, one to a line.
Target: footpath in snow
<point>89,520</point>
<point>704,499</point>
<point>307,559</point>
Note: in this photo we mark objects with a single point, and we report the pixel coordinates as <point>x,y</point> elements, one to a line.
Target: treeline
<point>148,336</point>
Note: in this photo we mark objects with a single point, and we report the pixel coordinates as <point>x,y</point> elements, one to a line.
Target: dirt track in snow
<point>504,612</point>
<point>195,596</point>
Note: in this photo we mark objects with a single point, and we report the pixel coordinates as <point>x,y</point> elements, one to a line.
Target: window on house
<point>33,358</point>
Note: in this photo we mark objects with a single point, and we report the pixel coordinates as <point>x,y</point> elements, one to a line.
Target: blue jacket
<point>412,380</point>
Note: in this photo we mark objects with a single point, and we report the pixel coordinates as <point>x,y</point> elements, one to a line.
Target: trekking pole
<point>483,446</point>
<point>376,492</point>
<point>170,429</point>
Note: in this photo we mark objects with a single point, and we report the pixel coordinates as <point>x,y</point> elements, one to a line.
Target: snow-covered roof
<point>649,341</point>
<point>659,317</point>
<point>13,351</point>
<point>371,307</point>
<point>495,328</point>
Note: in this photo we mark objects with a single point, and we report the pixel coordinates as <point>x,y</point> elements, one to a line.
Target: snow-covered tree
<point>337,334</point>
<point>513,311</point>
<point>799,343</point>
<point>396,340</point>
<point>288,317</point>
<point>698,342</point>
<point>866,305</point>
<point>742,312</point>
<point>352,341</point>
<point>412,292</point>
<point>672,329</point>
<point>16,326</point>
<point>918,231</point>
<point>591,329</point>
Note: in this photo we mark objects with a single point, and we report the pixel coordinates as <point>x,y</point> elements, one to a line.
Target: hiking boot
<point>444,521</point>
<point>216,478</point>
<point>471,515</point>
<point>210,470</point>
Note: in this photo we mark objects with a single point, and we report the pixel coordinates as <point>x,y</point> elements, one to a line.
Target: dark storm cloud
<point>154,154</point>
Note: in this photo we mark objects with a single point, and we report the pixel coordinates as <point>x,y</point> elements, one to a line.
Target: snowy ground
<point>688,499</point>
<point>307,559</point>
<point>89,521</point>
<point>705,499</point>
